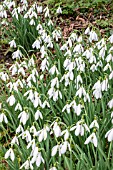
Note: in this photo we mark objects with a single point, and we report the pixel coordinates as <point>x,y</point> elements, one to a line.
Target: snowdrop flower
<point>87,31</point>
<point>22,71</point>
<point>68,53</point>
<point>19,129</point>
<point>14,69</point>
<point>109,135</point>
<point>97,90</point>
<point>93,36</point>
<point>59,10</point>
<point>94,124</point>
<point>27,165</point>
<point>79,128</point>
<point>102,52</point>
<point>92,138</point>
<point>78,49</point>
<point>67,108</point>
<point>44,64</point>
<point>32,22</point>
<point>56,34</point>
<point>57,130</point>
<point>39,9</point>
<point>26,135</point>
<point>23,116</point>
<point>55,149</point>
<point>55,82</point>
<point>4,76</point>
<point>15,141</point>
<point>66,134</point>
<point>109,58</point>
<point>110,103</point>
<point>57,94</point>
<point>37,44</point>
<point>64,47</point>
<point>53,168</point>
<point>17,54</point>
<point>32,143</point>
<point>62,148</point>
<point>42,134</point>
<point>81,91</point>
<point>38,115</point>
<point>37,101</point>
<point>50,22</point>
<point>46,10</point>
<point>101,43</point>
<point>105,85</point>
<point>12,44</point>
<point>111,38</point>
<point>18,107</point>
<point>10,154</point>
<point>3,118</point>
<point>53,70</point>
<point>111,75</point>
<point>39,159</point>
<point>11,100</point>
<point>45,104</point>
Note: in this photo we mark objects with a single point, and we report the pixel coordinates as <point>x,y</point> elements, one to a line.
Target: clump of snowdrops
<point>58,113</point>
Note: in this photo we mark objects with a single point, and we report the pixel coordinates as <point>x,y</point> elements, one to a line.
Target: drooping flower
<point>59,10</point>
<point>92,138</point>
<point>10,154</point>
<point>11,100</point>
<point>109,135</point>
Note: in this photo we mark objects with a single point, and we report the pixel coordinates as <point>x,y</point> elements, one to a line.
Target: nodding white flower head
<point>15,141</point>
<point>110,103</point>
<point>45,103</point>
<point>27,165</point>
<point>62,148</point>
<point>18,107</point>
<point>17,54</point>
<point>32,22</point>
<point>56,34</point>
<point>36,44</point>
<point>39,9</point>
<point>94,124</point>
<point>109,135</point>
<point>111,38</point>
<point>38,115</point>
<point>92,138</point>
<point>50,22</point>
<point>23,116</point>
<point>78,49</point>
<point>79,128</point>
<point>57,130</point>
<point>26,135</point>
<point>53,70</point>
<point>87,31</point>
<point>10,154</point>
<point>53,168</point>
<point>93,36</point>
<point>19,129</point>
<point>97,90</point>
<point>3,118</point>
<point>4,76</point>
<point>66,134</point>
<point>12,43</point>
<point>42,134</point>
<point>55,82</point>
<point>59,10</point>
<point>46,10</point>
<point>11,100</point>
